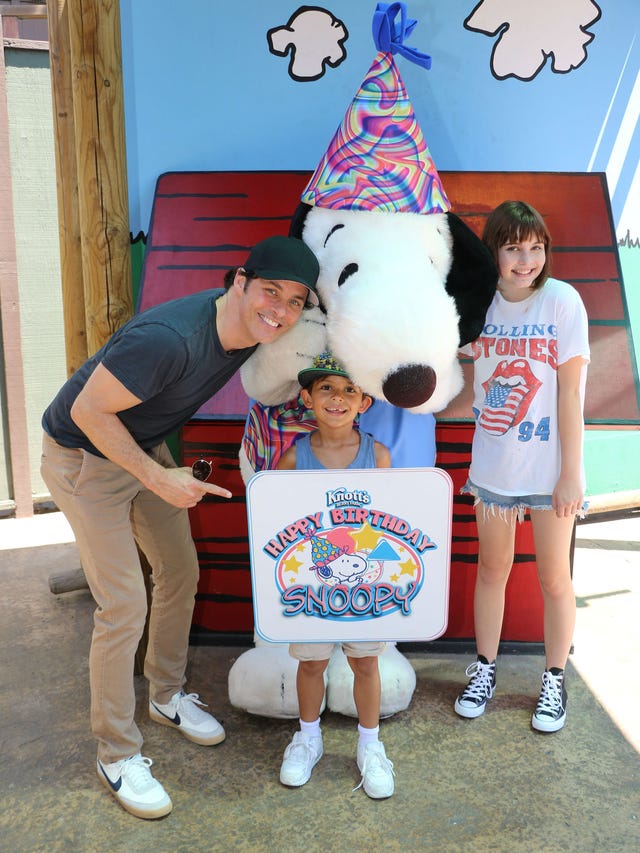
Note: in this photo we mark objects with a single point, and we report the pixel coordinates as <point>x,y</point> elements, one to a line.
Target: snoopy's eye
<point>350,269</point>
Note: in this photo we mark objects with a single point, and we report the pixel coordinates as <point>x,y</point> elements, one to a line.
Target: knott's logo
<point>349,562</point>
<point>342,497</point>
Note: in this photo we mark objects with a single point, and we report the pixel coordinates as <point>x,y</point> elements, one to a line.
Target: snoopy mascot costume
<point>403,284</point>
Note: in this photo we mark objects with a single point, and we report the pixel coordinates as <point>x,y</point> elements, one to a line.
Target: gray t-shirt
<point>169,356</point>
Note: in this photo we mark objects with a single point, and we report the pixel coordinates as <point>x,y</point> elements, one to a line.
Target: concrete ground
<point>490,784</point>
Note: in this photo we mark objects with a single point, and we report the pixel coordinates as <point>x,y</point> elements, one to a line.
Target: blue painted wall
<point>203,91</point>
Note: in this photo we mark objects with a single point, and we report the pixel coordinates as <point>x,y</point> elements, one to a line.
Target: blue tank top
<point>306,459</point>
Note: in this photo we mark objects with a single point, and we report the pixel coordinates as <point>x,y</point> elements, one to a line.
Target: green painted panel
<point>612,457</point>
<point>612,461</point>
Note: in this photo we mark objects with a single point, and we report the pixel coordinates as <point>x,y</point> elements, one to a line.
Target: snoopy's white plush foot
<point>262,681</point>
<point>397,680</point>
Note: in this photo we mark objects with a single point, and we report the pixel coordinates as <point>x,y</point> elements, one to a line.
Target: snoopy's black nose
<point>410,385</point>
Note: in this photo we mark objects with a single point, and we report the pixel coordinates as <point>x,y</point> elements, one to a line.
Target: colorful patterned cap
<point>323,365</point>
<point>323,552</point>
<point>378,159</point>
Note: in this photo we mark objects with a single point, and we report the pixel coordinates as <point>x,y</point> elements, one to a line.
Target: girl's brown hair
<point>514,222</point>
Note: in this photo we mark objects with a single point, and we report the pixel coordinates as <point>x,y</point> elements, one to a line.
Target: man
<point>109,470</point>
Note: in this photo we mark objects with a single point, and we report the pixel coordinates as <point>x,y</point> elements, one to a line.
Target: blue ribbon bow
<point>389,35</point>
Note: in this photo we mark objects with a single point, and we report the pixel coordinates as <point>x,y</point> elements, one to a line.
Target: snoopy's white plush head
<point>400,293</point>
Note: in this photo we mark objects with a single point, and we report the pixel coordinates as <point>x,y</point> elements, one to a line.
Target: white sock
<point>310,729</point>
<point>367,735</point>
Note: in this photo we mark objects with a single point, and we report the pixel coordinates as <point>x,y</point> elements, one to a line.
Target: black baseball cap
<point>285,259</point>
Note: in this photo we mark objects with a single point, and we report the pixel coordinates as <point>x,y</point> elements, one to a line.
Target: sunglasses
<point>201,470</point>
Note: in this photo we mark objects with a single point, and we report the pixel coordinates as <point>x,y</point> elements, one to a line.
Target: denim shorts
<point>495,504</point>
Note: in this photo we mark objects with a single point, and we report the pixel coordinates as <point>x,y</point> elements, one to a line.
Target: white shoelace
<point>188,707</point>
<point>372,758</point>
<point>137,773</point>
<point>481,675</point>
<point>300,749</point>
<point>550,700</point>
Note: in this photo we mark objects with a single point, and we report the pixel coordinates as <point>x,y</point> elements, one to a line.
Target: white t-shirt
<point>516,447</point>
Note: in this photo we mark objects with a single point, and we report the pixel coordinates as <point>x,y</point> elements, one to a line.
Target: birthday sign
<point>351,554</point>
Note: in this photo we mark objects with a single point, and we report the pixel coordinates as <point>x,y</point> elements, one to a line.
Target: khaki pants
<point>109,511</point>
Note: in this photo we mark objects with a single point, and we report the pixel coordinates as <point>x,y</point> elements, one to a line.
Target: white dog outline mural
<point>314,38</point>
<point>531,31</point>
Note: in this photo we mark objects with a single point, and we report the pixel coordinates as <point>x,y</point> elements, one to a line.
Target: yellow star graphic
<point>292,565</point>
<point>408,568</point>
<point>366,538</point>
<point>394,578</point>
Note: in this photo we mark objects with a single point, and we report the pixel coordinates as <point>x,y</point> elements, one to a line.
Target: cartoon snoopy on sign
<point>403,284</point>
<point>345,568</point>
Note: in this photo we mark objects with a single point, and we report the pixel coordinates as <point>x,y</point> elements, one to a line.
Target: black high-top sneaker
<point>473,699</point>
<point>551,710</point>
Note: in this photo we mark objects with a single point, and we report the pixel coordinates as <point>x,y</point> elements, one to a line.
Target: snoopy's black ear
<point>472,279</point>
<point>298,219</point>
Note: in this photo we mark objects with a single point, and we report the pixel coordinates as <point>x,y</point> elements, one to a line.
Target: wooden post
<point>98,113</point>
<point>67,184</point>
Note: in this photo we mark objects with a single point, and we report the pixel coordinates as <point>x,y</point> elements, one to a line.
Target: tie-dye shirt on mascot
<point>516,448</point>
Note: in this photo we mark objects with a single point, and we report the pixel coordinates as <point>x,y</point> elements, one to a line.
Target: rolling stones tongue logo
<point>509,392</point>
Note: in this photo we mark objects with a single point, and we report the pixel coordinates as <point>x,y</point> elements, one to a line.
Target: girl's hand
<point>567,498</point>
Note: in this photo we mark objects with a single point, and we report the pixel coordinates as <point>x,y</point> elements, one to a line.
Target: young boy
<point>336,401</point>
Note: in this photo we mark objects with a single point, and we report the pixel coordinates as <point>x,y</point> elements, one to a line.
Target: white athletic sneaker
<point>377,771</point>
<point>131,783</point>
<point>300,757</point>
<point>183,712</point>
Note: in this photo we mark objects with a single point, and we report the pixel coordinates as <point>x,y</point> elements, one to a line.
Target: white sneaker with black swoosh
<point>131,783</point>
<point>184,712</point>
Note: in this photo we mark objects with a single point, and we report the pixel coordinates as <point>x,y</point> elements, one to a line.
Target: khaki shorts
<point>323,651</point>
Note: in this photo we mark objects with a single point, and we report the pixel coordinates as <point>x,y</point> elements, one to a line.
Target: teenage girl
<point>530,366</point>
